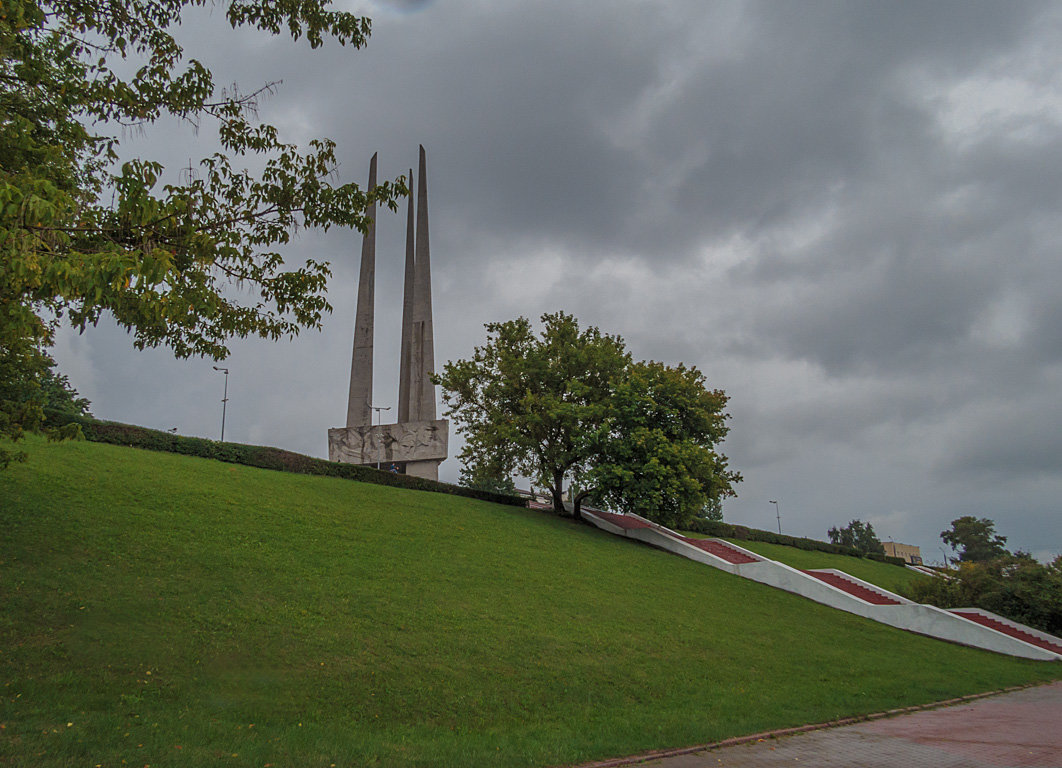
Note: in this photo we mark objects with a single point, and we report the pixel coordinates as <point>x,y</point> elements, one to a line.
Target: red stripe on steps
<point>856,590</point>
<point>1006,629</point>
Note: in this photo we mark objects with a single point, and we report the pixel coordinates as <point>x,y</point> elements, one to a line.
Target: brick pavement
<point>1021,729</point>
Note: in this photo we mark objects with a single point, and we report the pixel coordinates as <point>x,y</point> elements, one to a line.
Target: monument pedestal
<point>419,445</point>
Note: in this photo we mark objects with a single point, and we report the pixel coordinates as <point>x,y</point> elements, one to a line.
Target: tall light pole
<point>224,400</point>
<point>379,421</point>
<point>778,515</point>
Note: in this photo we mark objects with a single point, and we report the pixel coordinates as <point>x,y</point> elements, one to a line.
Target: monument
<point>417,443</point>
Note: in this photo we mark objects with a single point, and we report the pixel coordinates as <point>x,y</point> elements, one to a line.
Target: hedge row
<point>881,558</point>
<point>262,457</point>
<point>744,533</point>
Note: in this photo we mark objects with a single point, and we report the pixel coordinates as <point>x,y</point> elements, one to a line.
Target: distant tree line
<point>858,535</point>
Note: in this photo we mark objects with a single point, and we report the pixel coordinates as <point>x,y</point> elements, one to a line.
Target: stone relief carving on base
<point>389,443</point>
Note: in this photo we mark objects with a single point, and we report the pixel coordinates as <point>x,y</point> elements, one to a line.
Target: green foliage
<point>1015,586</point>
<point>60,396</point>
<point>364,625</point>
<point>975,539</point>
<point>883,558</point>
<point>483,478</point>
<point>86,230</point>
<point>29,385</point>
<point>570,405</point>
<point>713,510</point>
<point>656,453</point>
<point>534,405</point>
<point>264,457</point>
<point>858,535</point>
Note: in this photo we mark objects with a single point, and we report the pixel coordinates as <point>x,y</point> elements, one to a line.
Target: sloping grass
<point>894,578</point>
<point>164,610</point>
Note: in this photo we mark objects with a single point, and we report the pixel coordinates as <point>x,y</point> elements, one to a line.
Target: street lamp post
<point>379,422</point>
<point>778,515</point>
<point>224,400</point>
<point>945,556</point>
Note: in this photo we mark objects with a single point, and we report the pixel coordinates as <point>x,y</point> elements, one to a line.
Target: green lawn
<point>894,578</point>
<point>169,611</point>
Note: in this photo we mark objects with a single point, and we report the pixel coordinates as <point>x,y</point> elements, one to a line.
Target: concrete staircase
<point>1012,628</point>
<point>853,586</point>
<point>968,626</point>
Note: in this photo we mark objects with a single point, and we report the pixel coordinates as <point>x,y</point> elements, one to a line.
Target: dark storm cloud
<point>844,213</point>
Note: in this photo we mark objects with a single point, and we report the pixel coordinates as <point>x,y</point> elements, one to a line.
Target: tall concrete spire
<point>359,404</point>
<point>405,372</point>
<point>418,442</point>
<point>422,391</point>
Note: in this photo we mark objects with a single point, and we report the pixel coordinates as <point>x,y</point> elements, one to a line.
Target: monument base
<point>420,445</point>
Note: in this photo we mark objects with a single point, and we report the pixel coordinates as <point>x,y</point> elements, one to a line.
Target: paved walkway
<point>1012,730</point>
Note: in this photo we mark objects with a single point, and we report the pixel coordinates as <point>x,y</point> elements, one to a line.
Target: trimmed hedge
<point>886,558</point>
<point>261,456</point>
<point>744,533</point>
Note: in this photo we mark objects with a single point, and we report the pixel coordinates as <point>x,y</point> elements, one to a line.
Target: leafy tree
<point>483,477</point>
<point>60,396</point>
<point>975,539</point>
<point>570,405</point>
<point>858,535</point>
<point>656,454</point>
<point>85,230</point>
<point>713,510</point>
<point>1015,586</point>
<point>534,405</point>
<point>27,387</point>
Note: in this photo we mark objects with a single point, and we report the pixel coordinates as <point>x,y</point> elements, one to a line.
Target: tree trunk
<point>577,504</point>
<point>557,491</point>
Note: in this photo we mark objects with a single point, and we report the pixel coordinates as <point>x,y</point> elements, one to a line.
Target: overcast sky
<point>845,214</point>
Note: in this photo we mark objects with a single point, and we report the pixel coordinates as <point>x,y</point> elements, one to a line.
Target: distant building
<point>910,553</point>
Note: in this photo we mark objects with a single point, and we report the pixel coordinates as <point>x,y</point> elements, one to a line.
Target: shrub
<point>1014,586</point>
<point>883,558</point>
<point>859,535</point>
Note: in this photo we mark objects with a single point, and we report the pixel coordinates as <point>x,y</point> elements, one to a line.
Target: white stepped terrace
<point>968,626</point>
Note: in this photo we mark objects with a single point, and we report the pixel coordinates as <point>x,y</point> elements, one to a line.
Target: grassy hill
<point>165,610</point>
